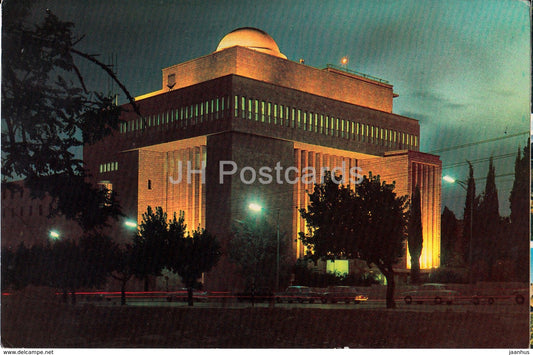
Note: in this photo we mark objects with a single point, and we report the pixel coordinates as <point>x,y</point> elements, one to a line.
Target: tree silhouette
<point>160,243</point>
<point>333,218</point>
<point>253,248</point>
<point>197,253</point>
<point>414,235</point>
<point>151,244</point>
<point>518,228</point>
<point>368,223</point>
<point>126,261</point>
<point>451,252</point>
<point>488,237</point>
<point>469,215</point>
<point>48,112</point>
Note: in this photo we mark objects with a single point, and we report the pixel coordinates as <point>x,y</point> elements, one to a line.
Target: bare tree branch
<point>112,75</point>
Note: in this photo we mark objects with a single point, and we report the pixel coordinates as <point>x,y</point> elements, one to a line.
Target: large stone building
<point>245,112</point>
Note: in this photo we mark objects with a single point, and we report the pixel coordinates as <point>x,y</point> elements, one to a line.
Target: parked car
<point>346,294</point>
<point>431,292</point>
<point>299,294</point>
<point>262,294</point>
<point>182,296</point>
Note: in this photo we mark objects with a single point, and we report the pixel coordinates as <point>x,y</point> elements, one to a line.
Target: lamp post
<point>258,208</point>
<point>464,185</point>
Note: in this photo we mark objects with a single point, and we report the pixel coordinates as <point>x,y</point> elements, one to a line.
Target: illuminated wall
<point>169,176</point>
<point>406,169</point>
<point>317,157</point>
<point>336,84</point>
<point>428,178</point>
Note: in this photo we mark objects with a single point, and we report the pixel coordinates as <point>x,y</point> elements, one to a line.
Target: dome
<point>252,38</point>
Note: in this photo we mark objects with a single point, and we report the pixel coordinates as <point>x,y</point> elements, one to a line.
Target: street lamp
<point>130,224</point>
<point>258,208</point>
<point>54,234</point>
<point>464,185</point>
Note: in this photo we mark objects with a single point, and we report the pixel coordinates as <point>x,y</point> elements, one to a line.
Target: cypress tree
<point>468,215</point>
<point>490,242</point>
<point>414,235</point>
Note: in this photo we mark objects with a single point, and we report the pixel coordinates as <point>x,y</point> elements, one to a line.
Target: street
<point>503,306</point>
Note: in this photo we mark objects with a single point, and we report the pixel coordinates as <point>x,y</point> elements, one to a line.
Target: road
<point>502,306</point>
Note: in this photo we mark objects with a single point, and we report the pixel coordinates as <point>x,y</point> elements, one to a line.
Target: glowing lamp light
<point>54,235</point>
<point>344,60</point>
<point>130,224</point>
<point>448,179</point>
<point>255,207</point>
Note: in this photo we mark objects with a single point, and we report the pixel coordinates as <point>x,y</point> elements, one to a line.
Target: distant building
<point>244,112</point>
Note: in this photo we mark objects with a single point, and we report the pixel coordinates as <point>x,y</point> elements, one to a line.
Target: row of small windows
<point>22,211</point>
<point>273,113</point>
<point>107,167</point>
<point>187,115</point>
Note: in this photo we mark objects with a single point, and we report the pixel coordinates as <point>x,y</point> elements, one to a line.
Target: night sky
<point>462,68</point>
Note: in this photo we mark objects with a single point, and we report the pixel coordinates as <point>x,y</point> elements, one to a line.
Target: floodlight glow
<point>54,234</point>
<point>130,224</point>
<point>448,179</point>
<point>255,207</point>
<point>344,60</point>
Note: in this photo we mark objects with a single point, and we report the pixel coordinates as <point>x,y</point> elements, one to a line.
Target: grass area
<point>32,323</point>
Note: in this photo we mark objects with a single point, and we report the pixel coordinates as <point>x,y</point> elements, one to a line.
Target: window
<point>30,211</point>
<point>149,184</point>
<point>275,113</point>
<point>40,210</point>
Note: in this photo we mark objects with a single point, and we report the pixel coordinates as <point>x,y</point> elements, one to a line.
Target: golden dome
<point>252,38</point>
